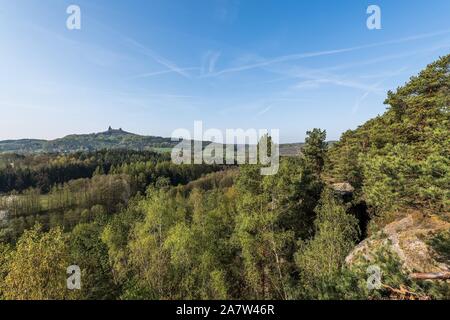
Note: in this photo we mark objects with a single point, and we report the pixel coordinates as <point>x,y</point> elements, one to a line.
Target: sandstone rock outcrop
<point>408,238</point>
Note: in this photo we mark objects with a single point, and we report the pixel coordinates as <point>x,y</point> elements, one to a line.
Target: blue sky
<point>152,66</point>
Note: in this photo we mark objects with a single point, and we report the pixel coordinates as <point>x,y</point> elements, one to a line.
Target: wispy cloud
<point>311,84</point>
<point>315,78</point>
<point>293,57</point>
<point>171,66</point>
<point>265,110</point>
<point>334,80</point>
<point>161,72</point>
<point>385,58</point>
<point>212,61</point>
<point>209,62</point>
<point>375,88</point>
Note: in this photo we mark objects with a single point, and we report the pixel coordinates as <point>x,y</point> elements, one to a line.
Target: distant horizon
<point>140,134</point>
<point>156,66</point>
<point>125,131</point>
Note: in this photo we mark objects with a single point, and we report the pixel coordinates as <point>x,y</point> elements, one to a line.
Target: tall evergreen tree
<point>315,149</point>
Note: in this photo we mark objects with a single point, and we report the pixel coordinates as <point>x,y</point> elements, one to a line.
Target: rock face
<point>343,188</point>
<point>408,238</point>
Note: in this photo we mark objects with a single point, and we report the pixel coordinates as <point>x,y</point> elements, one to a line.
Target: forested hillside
<point>401,159</point>
<point>141,227</point>
<point>110,139</point>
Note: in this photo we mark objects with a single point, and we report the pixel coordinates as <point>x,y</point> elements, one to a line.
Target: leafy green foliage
<point>141,227</point>
<point>315,149</point>
<point>321,258</point>
<point>441,244</point>
<point>401,159</point>
<point>37,267</point>
<point>351,283</point>
<point>91,255</point>
<point>43,171</point>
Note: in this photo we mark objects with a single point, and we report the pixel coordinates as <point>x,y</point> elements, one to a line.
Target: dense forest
<point>112,139</point>
<point>141,227</point>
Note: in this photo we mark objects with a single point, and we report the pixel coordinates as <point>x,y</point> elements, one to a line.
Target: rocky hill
<point>110,139</point>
